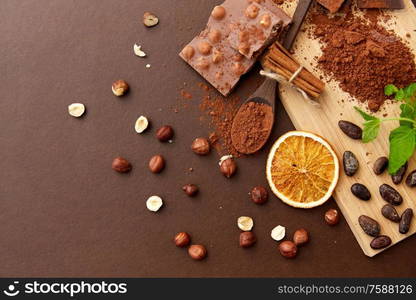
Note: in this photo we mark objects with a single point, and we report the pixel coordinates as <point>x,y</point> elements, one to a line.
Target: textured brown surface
<point>64,212</point>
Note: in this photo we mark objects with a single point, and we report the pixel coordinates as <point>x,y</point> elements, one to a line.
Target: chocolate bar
<point>392,4</point>
<point>236,33</point>
<point>332,5</point>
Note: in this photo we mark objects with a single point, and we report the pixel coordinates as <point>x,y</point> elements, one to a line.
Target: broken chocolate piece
<point>332,5</point>
<point>392,4</point>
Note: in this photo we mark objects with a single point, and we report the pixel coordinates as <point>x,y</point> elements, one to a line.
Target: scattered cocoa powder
<point>251,127</point>
<point>361,54</point>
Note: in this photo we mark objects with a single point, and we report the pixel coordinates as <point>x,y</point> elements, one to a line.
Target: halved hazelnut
<point>138,50</point>
<point>218,12</point>
<point>119,87</point>
<point>216,56</point>
<point>150,20</point>
<point>202,63</point>
<point>245,223</point>
<point>265,21</point>
<point>252,11</point>
<point>188,52</point>
<point>204,48</point>
<point>154,203</point>
<point>238,68</point>
<point>214,36</point>
<point>76,109</point>
<point>141,124</point>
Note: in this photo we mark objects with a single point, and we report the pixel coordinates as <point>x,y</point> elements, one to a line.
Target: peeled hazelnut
<point>197,252</point>
<point>164,133</point>
<point>150,20</point>
<point>76,109</point>
<point>245,223</point>
<point>278,233</point>
<point>332,217</point>
<point>216,56</point>
<point>121,165</point>
<point>247,239</point>
<point>238,68</point>
<point>259,195</point>
<point>228,167</point>
<point>300,237</point>
<point>157,164</point>
<point>252,11</point>
<point>265,21</point>
<point>288,249</point>
<point>218,12</point>
<point>141,124</point>
<point>214,36</point>
<point>202,63</point>
<point>190,189</point>
<point>204,48</point>
<point>119,87</point>
<point>188,52</point>
<point>154,203</point>
<point>182,239</point>
<point>200,146</point>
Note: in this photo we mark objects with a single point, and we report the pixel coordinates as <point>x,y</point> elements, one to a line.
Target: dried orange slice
<point>302,169</point>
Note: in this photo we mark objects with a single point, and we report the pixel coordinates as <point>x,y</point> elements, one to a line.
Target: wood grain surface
<point>323,120</point>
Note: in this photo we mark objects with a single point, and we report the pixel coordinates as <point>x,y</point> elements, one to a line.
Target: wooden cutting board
<point>323,120</point>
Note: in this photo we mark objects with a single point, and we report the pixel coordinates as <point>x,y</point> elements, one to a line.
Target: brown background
<point>64,212</point>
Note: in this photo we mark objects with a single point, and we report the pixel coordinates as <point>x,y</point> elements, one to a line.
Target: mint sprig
<point>403,138</point>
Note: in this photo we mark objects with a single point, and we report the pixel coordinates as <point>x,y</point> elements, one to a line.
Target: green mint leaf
<point>402,146</point>
<point>408,111</point>
<point>363,114</point>
<point>400,95</point>
<point>370,131</point>
<point>410,91</point>
<point>390,89</point>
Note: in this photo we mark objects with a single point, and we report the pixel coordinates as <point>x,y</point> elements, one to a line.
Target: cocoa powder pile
<point>251,127</point>
<point>361,54</point>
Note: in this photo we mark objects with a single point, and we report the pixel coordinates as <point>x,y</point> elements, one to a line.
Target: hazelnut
<point>202,63</point>
<point>259,195</point>
<point>300,237</point>
<point>373,105</point>
<point>278,233</point>
<point>247,239</point>
<point>190,189</point>
<point>216,56</point>
<point>200,146</point>
<point>164,133</point>
<point>150,20</point>
<point>238,57</point>
<point>265,21</point>
<point>197,252</point>
<point>119,87</point>
<point>243,36</point>
<point>252,11</point>
<point>244,48</point>
<point>76,109</point>
<point>141,124</point>
<point>218,12</point>
<point>121,165</point>
<point>332,217</point>
<point>188,52</point>
<point>138,51</point>
<point>214,36</point>
<point>245,223</point>
<point>238,68</point>
<point>182,239</point>
<point>157,164</point>
<point>154,203</point>
<point>228,167</point>
<point>288,249</point>
<point>204,48</point>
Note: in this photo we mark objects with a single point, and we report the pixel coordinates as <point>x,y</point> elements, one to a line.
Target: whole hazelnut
<point>164,133</point>
<point>300,237</point>
<point>200,146</point>
<point>197,252</point>
<point>214,36</point>
<point>332,217</point>
<point>216,56</point>
<point>238,68</point>
<point>218,12</point>
<point>265,21</point>
<point>288,249</point>
<point>259,195</point>
<point>119,87</point>
<point>247,239</point>
<point>228,167</point>
<point>157,164</point>
<point>121,165</point>
<point>182,239</point>
<point>188,52</point>
<point>373,105</point>
<point>190,189</point>
<point>252,11</point>
<point>204,48</point>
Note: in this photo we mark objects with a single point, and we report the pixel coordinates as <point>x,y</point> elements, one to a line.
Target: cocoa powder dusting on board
<point>362,55</point>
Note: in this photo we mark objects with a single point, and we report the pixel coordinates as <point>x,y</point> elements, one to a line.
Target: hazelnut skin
<point>164,133</point>
<point>252,11</point>
<point>200,146</point>
<point>259,195</point>
<point>288,249</point>
<point>214,36</point>
<point>157,164</point>
<point>182,239</point>
<point>190,189</point>
<point>121,165</point>
<point>119,87</point>
<point>300,237</point>
<point>228,167</point>
<point>218,12</point>
<point>247,239</point>
<point>197,252</point>
<point>188,52</point>
<point>332,217</point>
<point>204,48</point>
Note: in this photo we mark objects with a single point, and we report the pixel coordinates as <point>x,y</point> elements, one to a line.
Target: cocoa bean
<point>380,242</point>
<point>350,162</point>
<point>411,179</point>
<point>390,195</point>
<point>360,191</point>
<point>380,165</point>
<point>389,212</point>
<point>404,225</point>
<point>369,225</point>
<point>350,129</point>
<point>398,177</point>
